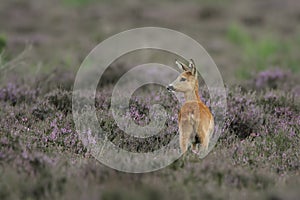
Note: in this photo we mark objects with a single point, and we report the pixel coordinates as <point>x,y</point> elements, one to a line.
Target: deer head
<point>187,81</point>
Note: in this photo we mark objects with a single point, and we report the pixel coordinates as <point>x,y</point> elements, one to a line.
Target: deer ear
<point>181,66</point>
<point>193,67</point>
<point>191,64</point>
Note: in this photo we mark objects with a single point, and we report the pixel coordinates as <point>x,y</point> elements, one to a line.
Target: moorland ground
<point>255,44</point>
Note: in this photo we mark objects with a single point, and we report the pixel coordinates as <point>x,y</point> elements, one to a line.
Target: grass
<point>261,53</point>
<point>3,42</point>
<point>77,3</point>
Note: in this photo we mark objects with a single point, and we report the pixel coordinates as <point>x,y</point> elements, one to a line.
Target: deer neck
<point>192,95</point>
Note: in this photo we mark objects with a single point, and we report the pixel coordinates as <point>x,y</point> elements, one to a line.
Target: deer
<point>195,120</point>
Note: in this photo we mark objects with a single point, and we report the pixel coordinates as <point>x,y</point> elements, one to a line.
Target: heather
<point>41,154</point>
<point>256,152</point>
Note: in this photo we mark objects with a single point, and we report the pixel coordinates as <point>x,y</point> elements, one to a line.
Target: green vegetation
<point>2,42</point>
<point>261,53</point>
<point>77,3</point>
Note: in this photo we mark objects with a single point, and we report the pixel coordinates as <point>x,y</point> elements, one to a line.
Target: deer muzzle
<point>170,88</point>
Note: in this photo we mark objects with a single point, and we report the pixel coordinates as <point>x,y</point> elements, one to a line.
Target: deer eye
<point>182,79</point>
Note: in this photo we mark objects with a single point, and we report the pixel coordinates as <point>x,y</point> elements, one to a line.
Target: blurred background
<point>255,45</point>
<point>243,37</point>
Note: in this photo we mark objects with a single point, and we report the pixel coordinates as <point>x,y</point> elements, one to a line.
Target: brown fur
<point>195,120</point>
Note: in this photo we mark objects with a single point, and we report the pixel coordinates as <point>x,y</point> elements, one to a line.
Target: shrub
<point>262,113</point>
<point>17,94</point>
<point>61,100</point>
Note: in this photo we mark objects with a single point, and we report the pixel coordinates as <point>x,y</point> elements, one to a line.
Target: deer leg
<point>205,142</point>
<point>204,138</point>
<point>185,131</point>
<point>194,148</point>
